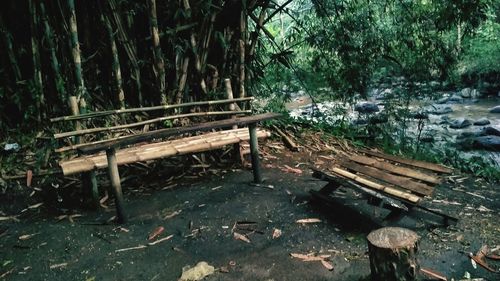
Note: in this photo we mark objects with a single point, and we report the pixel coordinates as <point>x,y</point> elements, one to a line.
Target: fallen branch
<point>286,139</point>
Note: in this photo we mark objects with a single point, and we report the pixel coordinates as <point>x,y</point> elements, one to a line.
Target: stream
<point>449,120</point>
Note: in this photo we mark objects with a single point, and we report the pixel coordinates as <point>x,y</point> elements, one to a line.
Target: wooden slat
<point>420,164</point>
<point>163,133</point>
<point>399,181</point>
<point>158,150</point>
<point>145,109</point>
<point>395,169</point>
<point>373,185</point>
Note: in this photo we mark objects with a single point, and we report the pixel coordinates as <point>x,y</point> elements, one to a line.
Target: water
<point>435,126</point>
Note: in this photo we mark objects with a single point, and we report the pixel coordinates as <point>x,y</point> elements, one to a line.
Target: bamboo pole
<point>130,49</point>
<point>389,190</point>
<point>182,80</point>
<point>37,67</point>
<point>75,46</point>
<point>10,50</point>
<point>116,63</point>
<point>146,109</point>
<point>151,121</point>
<point>258,26</point>
<point>159,63</point>
<point>49,37</point>
<point>242,46</point>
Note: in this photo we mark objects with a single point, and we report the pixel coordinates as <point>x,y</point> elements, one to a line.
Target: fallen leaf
<point>327,265</point>
<point>288,169</point>
<point>59,265</point>
<point>311,220</point>
<point>26,236</point>
<point>35,206</point>
<point>29,177</point>
<point>276,233</point>
<point>433,274</point>
<point>157,231</point>
<point>241,237</point>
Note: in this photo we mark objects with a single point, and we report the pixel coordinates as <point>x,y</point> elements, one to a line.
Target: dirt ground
<point>202,213</point>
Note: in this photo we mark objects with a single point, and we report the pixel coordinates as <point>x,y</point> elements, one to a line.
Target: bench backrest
<point>75,131</point>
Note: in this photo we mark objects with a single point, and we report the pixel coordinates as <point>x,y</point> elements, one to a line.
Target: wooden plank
<point>373,185</point>
<point>163,133</point>
<point>399,181</point>
<point>420,164</point>
<point>145,109</point>
<point>412,173</point>
<point>142,123</point>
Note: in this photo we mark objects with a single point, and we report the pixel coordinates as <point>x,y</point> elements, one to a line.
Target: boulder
<point>379,119</point>
<point>438,109</point>
<point>495,109</point>
<point>460,123</point>
<point>491,131</point>
<point>487,142</point>
<point>442,100</point>
<point>482,122</point>
<point>420,115</point>
<point>466,93</point>
<point>455,99</point>
<point>366,107</point>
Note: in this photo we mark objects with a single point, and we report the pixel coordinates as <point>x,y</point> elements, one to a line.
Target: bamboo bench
<point>387,181</point>
<point>86,155</point>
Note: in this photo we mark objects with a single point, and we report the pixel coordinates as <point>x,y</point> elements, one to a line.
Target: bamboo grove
<point>118,54</point>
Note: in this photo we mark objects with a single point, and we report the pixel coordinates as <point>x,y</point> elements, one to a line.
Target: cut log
<point>286,139</point>
<point>392,253</point>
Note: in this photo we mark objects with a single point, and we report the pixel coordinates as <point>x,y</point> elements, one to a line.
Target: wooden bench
<point>387,181</point>
<point>85,150</point>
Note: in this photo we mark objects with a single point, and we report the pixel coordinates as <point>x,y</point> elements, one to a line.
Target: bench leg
<point>114,176</point>
<point>90,184</point>
<point>254,153</point>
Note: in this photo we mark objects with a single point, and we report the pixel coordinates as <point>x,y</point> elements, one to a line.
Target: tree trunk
<point>393,254</point>
<point>159,64</point>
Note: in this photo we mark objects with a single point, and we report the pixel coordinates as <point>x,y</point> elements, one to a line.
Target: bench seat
<point>163,149</point>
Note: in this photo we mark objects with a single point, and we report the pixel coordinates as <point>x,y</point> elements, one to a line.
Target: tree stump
<point>393,254</point>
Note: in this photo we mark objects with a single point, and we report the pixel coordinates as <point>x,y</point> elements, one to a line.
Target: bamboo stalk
<point>182,80</point>
<point>258,26</point>
<point>146,109</point>
<point>130,49</point>
<point>389,190</point>
<point>37,67</point>
<point>49,37</point>
<point>242,46</point>
<point>75,46</point>
<point>159,63</point>
<point>151,121</point>
<point>10,50</point>
<point>116,63</point>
